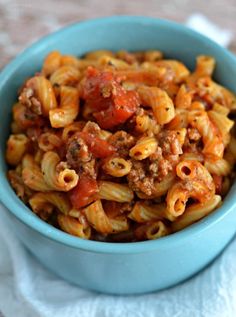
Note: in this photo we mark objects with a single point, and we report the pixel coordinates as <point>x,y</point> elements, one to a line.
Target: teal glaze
<point>121,268</point>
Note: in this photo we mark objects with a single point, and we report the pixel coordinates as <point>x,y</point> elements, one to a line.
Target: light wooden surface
<point>24,21</point>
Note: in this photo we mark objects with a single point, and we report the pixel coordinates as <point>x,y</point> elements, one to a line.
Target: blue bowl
<point>121,268</point>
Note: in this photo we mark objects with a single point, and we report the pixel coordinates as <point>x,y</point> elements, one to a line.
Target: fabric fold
<point>27,289</point>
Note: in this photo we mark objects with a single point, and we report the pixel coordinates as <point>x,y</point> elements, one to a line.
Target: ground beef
<point>92,128</point>
<point>79,157</point>
<point>77,151</point>
<point>145,173</point>
<point>190,147</point>
<point>62,166</point>
<point>193,134</point>
<point>28,99</point>
<point>193,141</point>
<point>164,167</point>
<point>17,183</point>
<point>89,168</point>
<point>22,191</point>
<point>139,178</point>
<point>169,143</point>
<point>123,142</point>
<point>160,166</point>
<point>154,168</point>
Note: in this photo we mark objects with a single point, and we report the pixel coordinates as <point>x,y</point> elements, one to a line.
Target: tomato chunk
<point>98,147</point>
<point>84,193</point>
<point>118,112</point>
<point>96,88</point>
<point>111,103</point>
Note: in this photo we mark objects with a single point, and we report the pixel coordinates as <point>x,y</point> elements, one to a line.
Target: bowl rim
<point>48,231</point>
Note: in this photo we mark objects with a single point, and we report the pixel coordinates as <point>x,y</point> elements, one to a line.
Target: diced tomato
<point>98,147</point>
<point>84,193</point>
<point>111,103</point>
<point>96,88</point>
<point>118,112</point>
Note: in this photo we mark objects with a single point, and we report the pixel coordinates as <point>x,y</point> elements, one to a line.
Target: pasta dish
<point>124,146</point>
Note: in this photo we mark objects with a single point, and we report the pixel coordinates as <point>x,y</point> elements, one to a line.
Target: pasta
<point>143,212</point>
<point>106,60</point>
<point>69,108</point>
<point>65,76</point>
<point>64,179</point>
<point>219,167</point>
<point>205,66</point>
<point>51,63</point>
<point>38,95</point>
<point>117,167</point>
<point>152,231</point>
<point>49,141</point>
<point>16,147</point>
<point>122,146</point>
<point>41,202</point>
<point>213,141</point>
<point>32,175</point>
<point>160,188</point>
<point>145,123</point>
<point>73,226</point>
<point>97,217</point>
<point>115,192</point>
<point>161,104</point>
<point>196,212</point>
<point>143,148</point>
<point>222,123</point>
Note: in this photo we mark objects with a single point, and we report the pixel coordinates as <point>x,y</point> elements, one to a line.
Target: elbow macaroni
<point>63,180</point>
<point>115,192</point>
<point>32,175</point>
<point>143,148</point>
<point>161,104</point>
<point>117,167</point>
<point>69,108</point>
<point>16,148</point>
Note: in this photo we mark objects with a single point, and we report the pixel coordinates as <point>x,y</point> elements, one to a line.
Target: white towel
<point>201,24</point>
<point>28,290</point>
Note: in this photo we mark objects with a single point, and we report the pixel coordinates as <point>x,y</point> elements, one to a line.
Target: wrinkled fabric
<point>29,290</point>
<point>201,24</point>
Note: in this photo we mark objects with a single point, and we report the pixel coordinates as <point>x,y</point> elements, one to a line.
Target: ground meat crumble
<point>28,99</point>
<point>122,141</point>
<point>79,157</point>
<point>140,178</point>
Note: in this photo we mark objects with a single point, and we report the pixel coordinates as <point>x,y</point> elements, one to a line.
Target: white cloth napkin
<point>201,24</point>
<point>28,290</point>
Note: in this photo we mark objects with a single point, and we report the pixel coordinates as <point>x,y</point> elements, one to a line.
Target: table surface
<point>23,21</point>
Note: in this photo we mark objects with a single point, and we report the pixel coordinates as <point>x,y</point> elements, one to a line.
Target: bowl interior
<point>130,33</point>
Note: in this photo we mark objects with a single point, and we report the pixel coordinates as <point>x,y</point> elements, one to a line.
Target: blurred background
<point>24,21</point>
